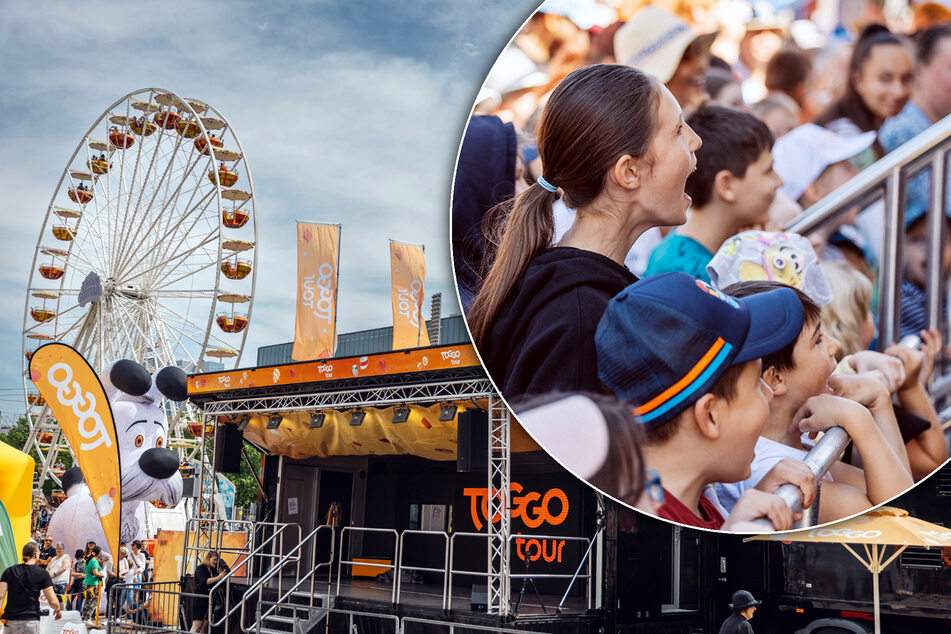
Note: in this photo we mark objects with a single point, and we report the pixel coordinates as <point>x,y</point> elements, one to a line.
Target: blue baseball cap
<point>665,340</point>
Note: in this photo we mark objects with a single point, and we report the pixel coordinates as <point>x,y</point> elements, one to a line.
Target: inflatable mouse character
<point>149,469</point>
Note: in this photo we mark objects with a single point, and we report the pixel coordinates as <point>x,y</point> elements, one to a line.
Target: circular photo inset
<point>624,216</point>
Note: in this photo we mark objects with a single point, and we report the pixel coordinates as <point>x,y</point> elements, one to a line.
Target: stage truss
<point>432,392</point>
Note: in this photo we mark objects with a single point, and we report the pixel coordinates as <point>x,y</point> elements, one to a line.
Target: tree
<point>17,437</point>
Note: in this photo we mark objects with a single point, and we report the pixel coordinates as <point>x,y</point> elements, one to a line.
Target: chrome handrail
<point>819,460</point>
<point>886,179</point>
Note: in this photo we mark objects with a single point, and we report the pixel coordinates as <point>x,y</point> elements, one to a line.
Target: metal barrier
<point>363,529</point>
<point>150,607</point>
<point>886,180</point>
<point>526,575</point>
<point>444,570</point>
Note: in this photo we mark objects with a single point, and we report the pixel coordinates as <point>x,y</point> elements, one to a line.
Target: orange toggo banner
<point>77,399</point>
<point>318,258</point>
<point>407,276</point>
<point>385,364</point>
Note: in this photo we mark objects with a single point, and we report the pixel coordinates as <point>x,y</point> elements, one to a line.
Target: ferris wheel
<point>147,252</point>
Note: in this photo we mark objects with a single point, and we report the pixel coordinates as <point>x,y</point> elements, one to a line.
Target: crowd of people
<point>618,216</point>
<point>79,582</point>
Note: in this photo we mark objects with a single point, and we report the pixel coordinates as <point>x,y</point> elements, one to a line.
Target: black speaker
<point>480,598</point>
<point>228,443</point>
<point>473,441</point>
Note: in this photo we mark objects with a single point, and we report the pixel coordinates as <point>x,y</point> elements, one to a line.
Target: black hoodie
<point>542,339</point>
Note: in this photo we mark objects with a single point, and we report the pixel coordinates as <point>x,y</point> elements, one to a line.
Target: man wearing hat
<point>658,42</point>
<point>743,606</point>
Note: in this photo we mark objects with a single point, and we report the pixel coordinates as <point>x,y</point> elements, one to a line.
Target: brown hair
<point>596,115</point>
<point>724,388</point>
<point>30,550</point>
<point>851,106</point>
<point>782,360</point>
<point>787,69</point>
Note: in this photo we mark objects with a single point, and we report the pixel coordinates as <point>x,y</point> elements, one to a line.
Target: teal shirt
<point>677,253</point>
<point>91,578</point>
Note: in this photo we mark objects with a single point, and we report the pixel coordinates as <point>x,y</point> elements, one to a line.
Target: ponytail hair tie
<point>546,185</point>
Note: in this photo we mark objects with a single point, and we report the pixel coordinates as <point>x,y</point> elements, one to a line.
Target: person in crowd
<point>91,583</point>
<point>848,317</point>
<point>702,402</point>
<point>110,575</point>
<point>605,451</point>
<point>930,101</point>
<point>660,43</point>
<point>59,568</point>
<point>799,376</point>
<point>813,162</point>
<point>209,572</point>
<point>878,87</point>
<point>36,537</point>
<point>128,573</point>
<point>139,556</point>
<point>743,606</point>
<point>485,178</point>
<point>724,89</point>
<point>845,295</point>
<point>534,318</point>
<point>914,283</point>
<point>77,574</point>
<point>787,72</point>
<point>731,189</point>
<point>21,585</point>
<point>47,552</point>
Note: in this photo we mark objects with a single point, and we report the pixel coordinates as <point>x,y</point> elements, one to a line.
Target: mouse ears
<point>172,382</point>
<point>133,379</point>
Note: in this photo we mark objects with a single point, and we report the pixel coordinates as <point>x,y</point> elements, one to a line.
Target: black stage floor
<point>372,595</point>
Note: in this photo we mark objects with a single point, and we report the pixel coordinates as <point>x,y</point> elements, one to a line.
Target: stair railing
<point>293,557</point>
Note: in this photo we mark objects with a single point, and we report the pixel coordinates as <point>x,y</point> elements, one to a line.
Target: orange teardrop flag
<point>78,401</point>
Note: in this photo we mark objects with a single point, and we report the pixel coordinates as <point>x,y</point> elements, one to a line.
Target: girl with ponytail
<point>614,146</point>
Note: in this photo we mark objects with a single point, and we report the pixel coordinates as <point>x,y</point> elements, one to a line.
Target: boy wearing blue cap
<point>807,400</point>
<point>689,355</point>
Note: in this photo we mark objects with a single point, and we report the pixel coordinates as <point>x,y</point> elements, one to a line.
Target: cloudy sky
<point>348,111</point>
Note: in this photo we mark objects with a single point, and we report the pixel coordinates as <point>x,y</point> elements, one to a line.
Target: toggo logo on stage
<point>452,356</point>
<point>847,533</point>
<point>69,394</point>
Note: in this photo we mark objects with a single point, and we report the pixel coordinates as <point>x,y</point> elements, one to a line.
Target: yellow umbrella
<point>875,530</point>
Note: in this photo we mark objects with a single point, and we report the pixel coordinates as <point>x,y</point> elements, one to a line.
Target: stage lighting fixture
<point>400,414</point>
<point>274,421</point>
<point>356,418</point>
<point>447,412</point>
<point>243,421</point>
<point>317,420</point>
